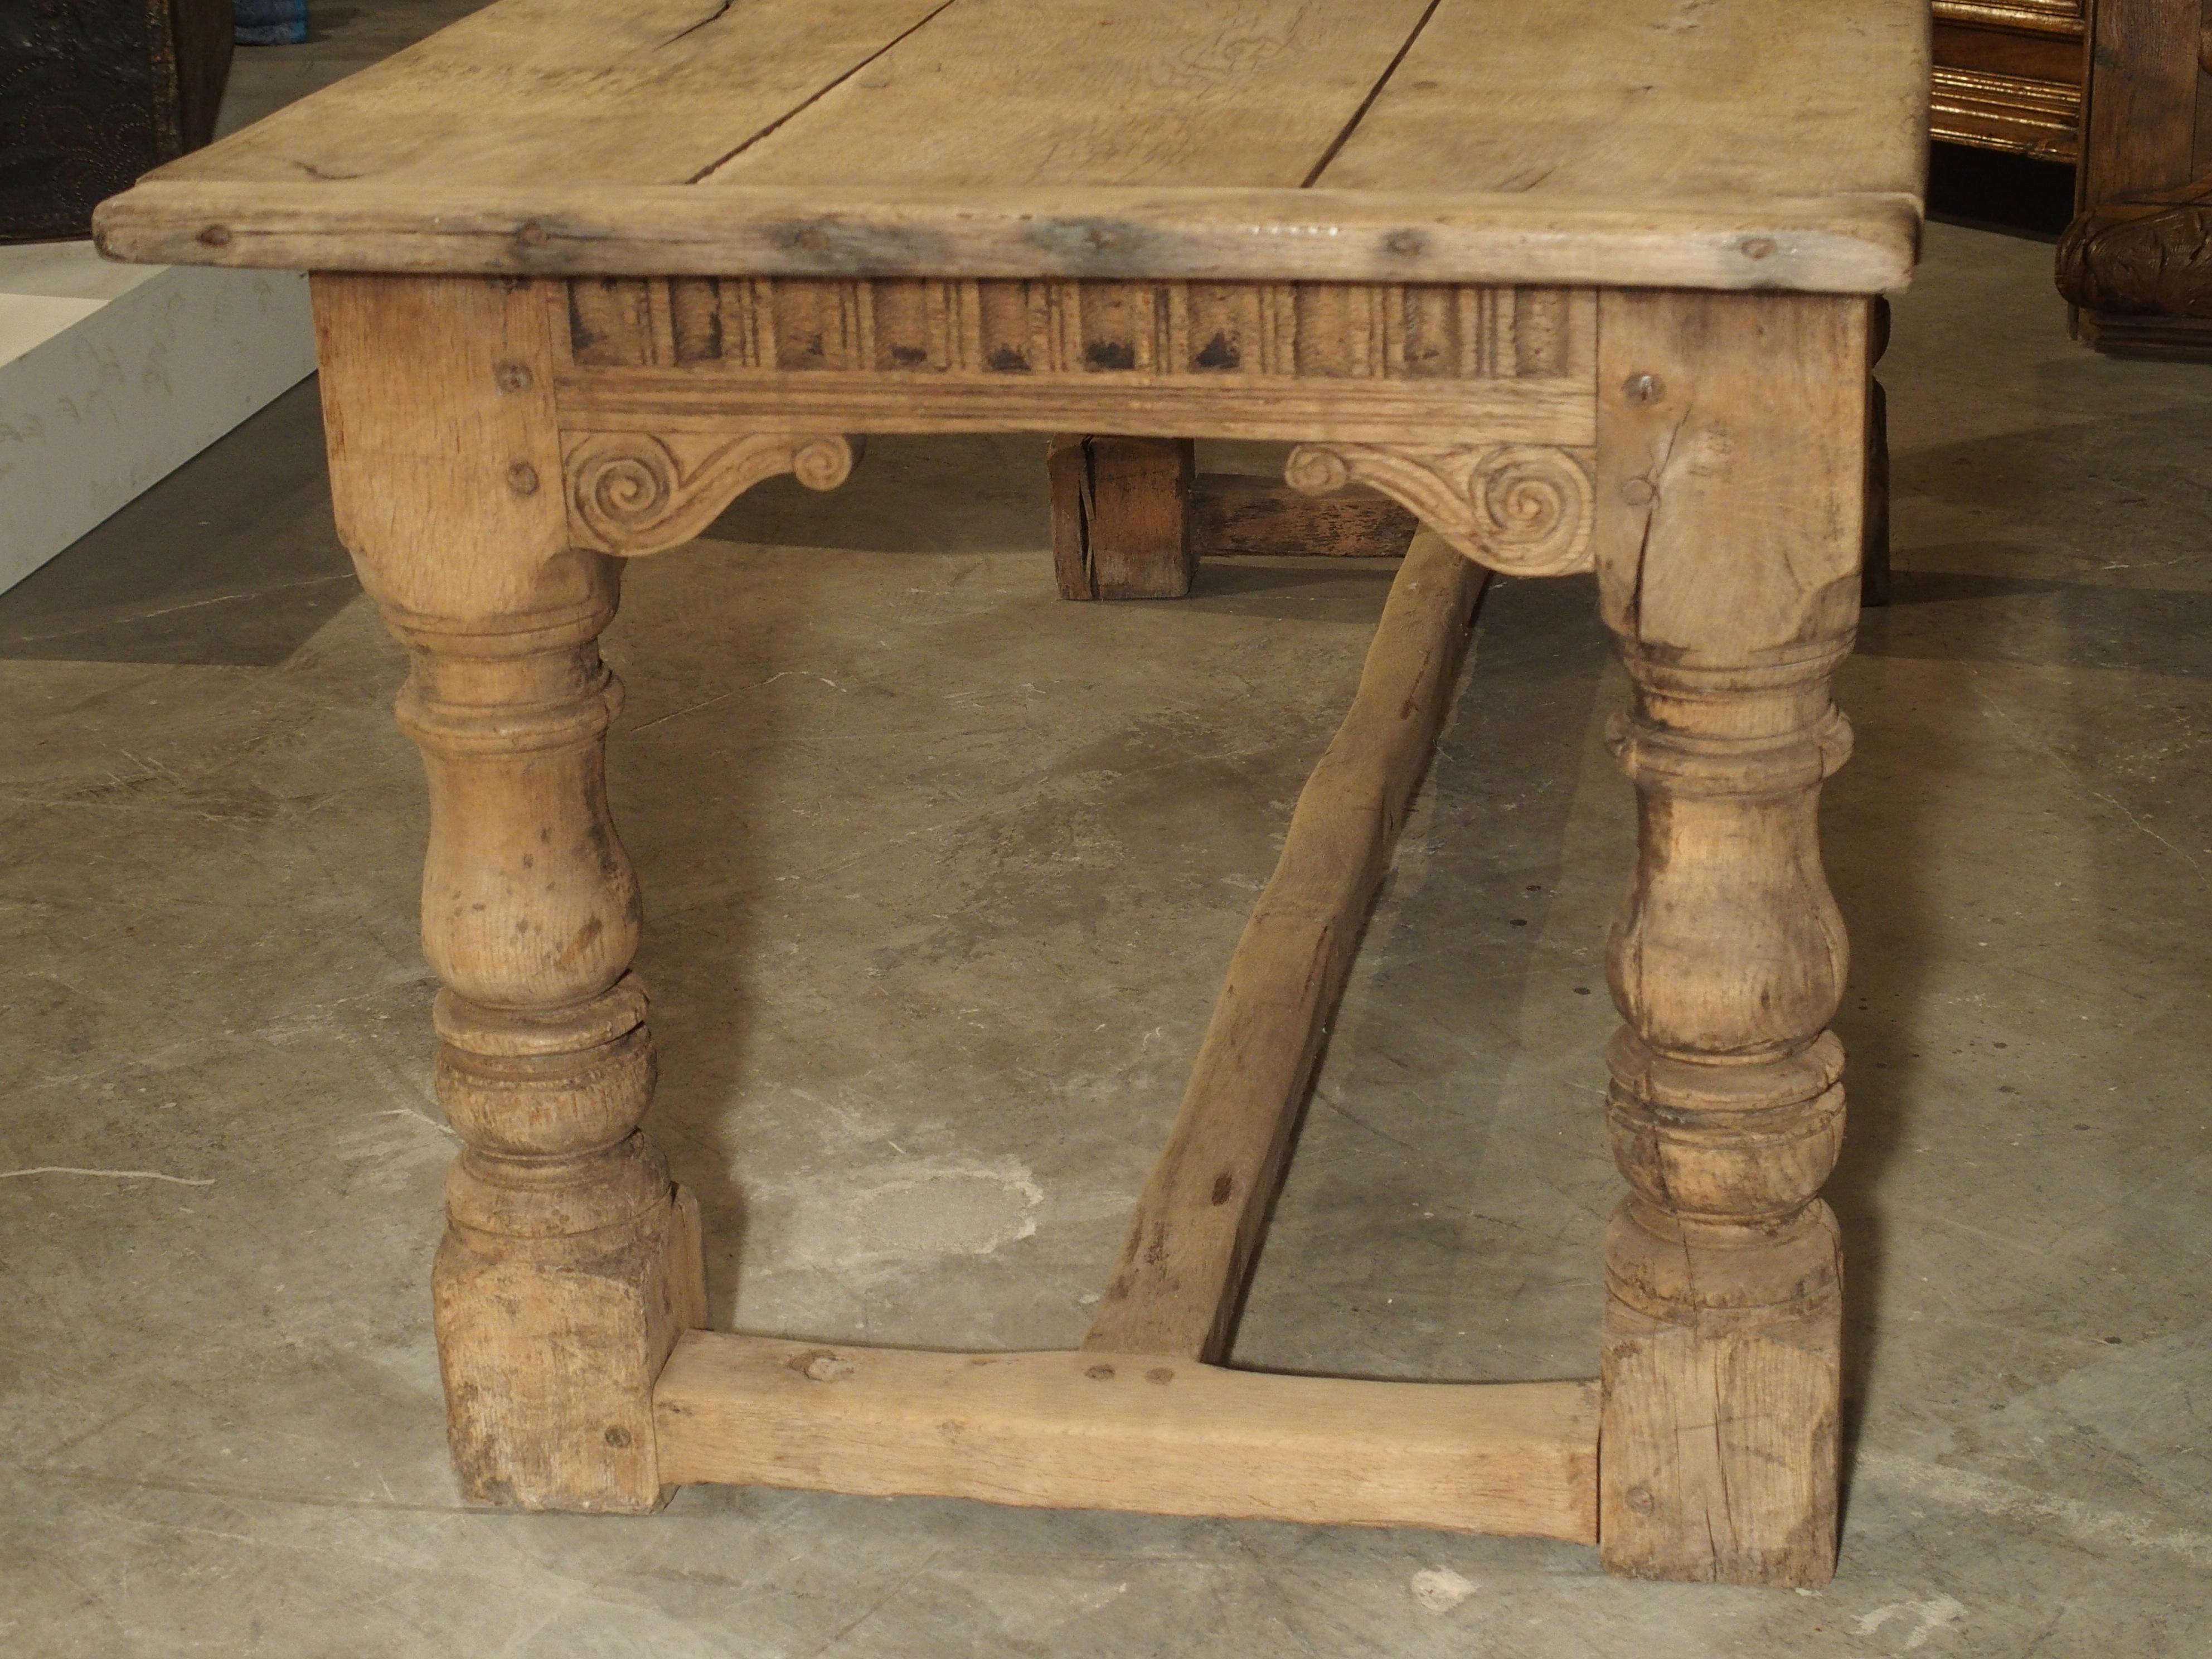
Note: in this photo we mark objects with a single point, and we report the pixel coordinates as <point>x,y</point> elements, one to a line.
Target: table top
<point>1705,144</point>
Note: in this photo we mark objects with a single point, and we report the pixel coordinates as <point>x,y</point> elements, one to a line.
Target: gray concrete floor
<point>941,874</point>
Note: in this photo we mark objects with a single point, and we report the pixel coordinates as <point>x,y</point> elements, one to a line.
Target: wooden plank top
<point>1712,143</point>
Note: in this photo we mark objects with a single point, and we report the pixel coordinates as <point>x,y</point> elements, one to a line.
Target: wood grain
<point>2136,262</point>
<point>2139,127</point>
<point>2146,259</point>
<point>526,91</point>
<point>1232,513</point>
<point>925,330</point>
<point>1119,1431</point>
<point>2062,18</point>
<point>1182,1272</point>
<point>1662,99</point>
<point>2009,74</point>
<point>1863,242</point>
<point>635,492</point>
<point>569,1262</point>
<point>2011,112</point>
<point>584,272</point>
<point>996,93</point>
<point>1559,412</point>
<point>1583,143</point>
<point>1067,479</point>
<point>1732,449</point>
<point>1814,101</point>
<point>1521,510</point>
<point>1120,517</point>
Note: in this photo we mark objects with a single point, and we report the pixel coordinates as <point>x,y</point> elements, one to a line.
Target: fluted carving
<point>635,492</point>
<point>919,329</point>
<point>1522,509</point>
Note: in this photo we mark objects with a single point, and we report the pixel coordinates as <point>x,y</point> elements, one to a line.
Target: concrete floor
<point>941,874</point>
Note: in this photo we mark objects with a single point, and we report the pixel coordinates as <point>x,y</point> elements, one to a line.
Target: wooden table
<point>1586,285</point>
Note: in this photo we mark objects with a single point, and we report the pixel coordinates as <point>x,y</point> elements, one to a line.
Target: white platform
<point>113,376</point>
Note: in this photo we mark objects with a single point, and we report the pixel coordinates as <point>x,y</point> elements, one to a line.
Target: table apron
<point>673,400</point>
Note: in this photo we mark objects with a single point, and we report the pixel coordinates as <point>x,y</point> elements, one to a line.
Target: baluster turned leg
<point>569,1262</point>
<point>1732,445</point>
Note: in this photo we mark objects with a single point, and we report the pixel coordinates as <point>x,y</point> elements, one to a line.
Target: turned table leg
<point>1732,443</point>
<point>570,1263</point>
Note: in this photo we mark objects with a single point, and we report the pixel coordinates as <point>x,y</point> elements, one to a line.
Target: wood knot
<point>617,1436</point>
<point>513,377</point>
<point>1224,1184</point>
<point>531,234</point>
<point>1100,1373</point>
<point>1641,1500</point>
<point>1638,492</point>
<point>216,236</point>
<point>1160,1374</point>
<point>820,1365</point>
<point>1759,247</point>
<point>522,478</point>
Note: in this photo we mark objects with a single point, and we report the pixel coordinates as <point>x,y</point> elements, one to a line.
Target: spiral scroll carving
<point>634,492</point>
<point>1522,510</point>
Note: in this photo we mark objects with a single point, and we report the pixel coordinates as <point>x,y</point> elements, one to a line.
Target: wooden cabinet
<point>92,93</point>
<point>2122,89</point>
<point>2009,75</point>
<point>2136,262</point>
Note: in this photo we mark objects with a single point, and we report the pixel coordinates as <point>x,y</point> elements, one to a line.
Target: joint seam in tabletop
<point>716,16</point>
<point>1368,102</point>
<point>814,97</point>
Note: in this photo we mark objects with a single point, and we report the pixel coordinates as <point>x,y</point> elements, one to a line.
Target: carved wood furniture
<point>2009,75</point>
<point>94,92</point>
<point>1585,287</point>
<point>2136,262</point>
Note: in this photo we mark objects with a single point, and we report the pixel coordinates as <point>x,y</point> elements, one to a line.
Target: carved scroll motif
<point>1522,510</point>
<point>633,493</point>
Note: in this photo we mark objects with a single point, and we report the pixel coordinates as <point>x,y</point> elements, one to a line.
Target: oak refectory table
<point>1587,285</point>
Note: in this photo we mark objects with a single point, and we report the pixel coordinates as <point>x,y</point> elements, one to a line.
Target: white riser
<point>113,376</point>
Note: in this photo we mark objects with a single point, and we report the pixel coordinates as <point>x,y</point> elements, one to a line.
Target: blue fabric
<point>270,22</point>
